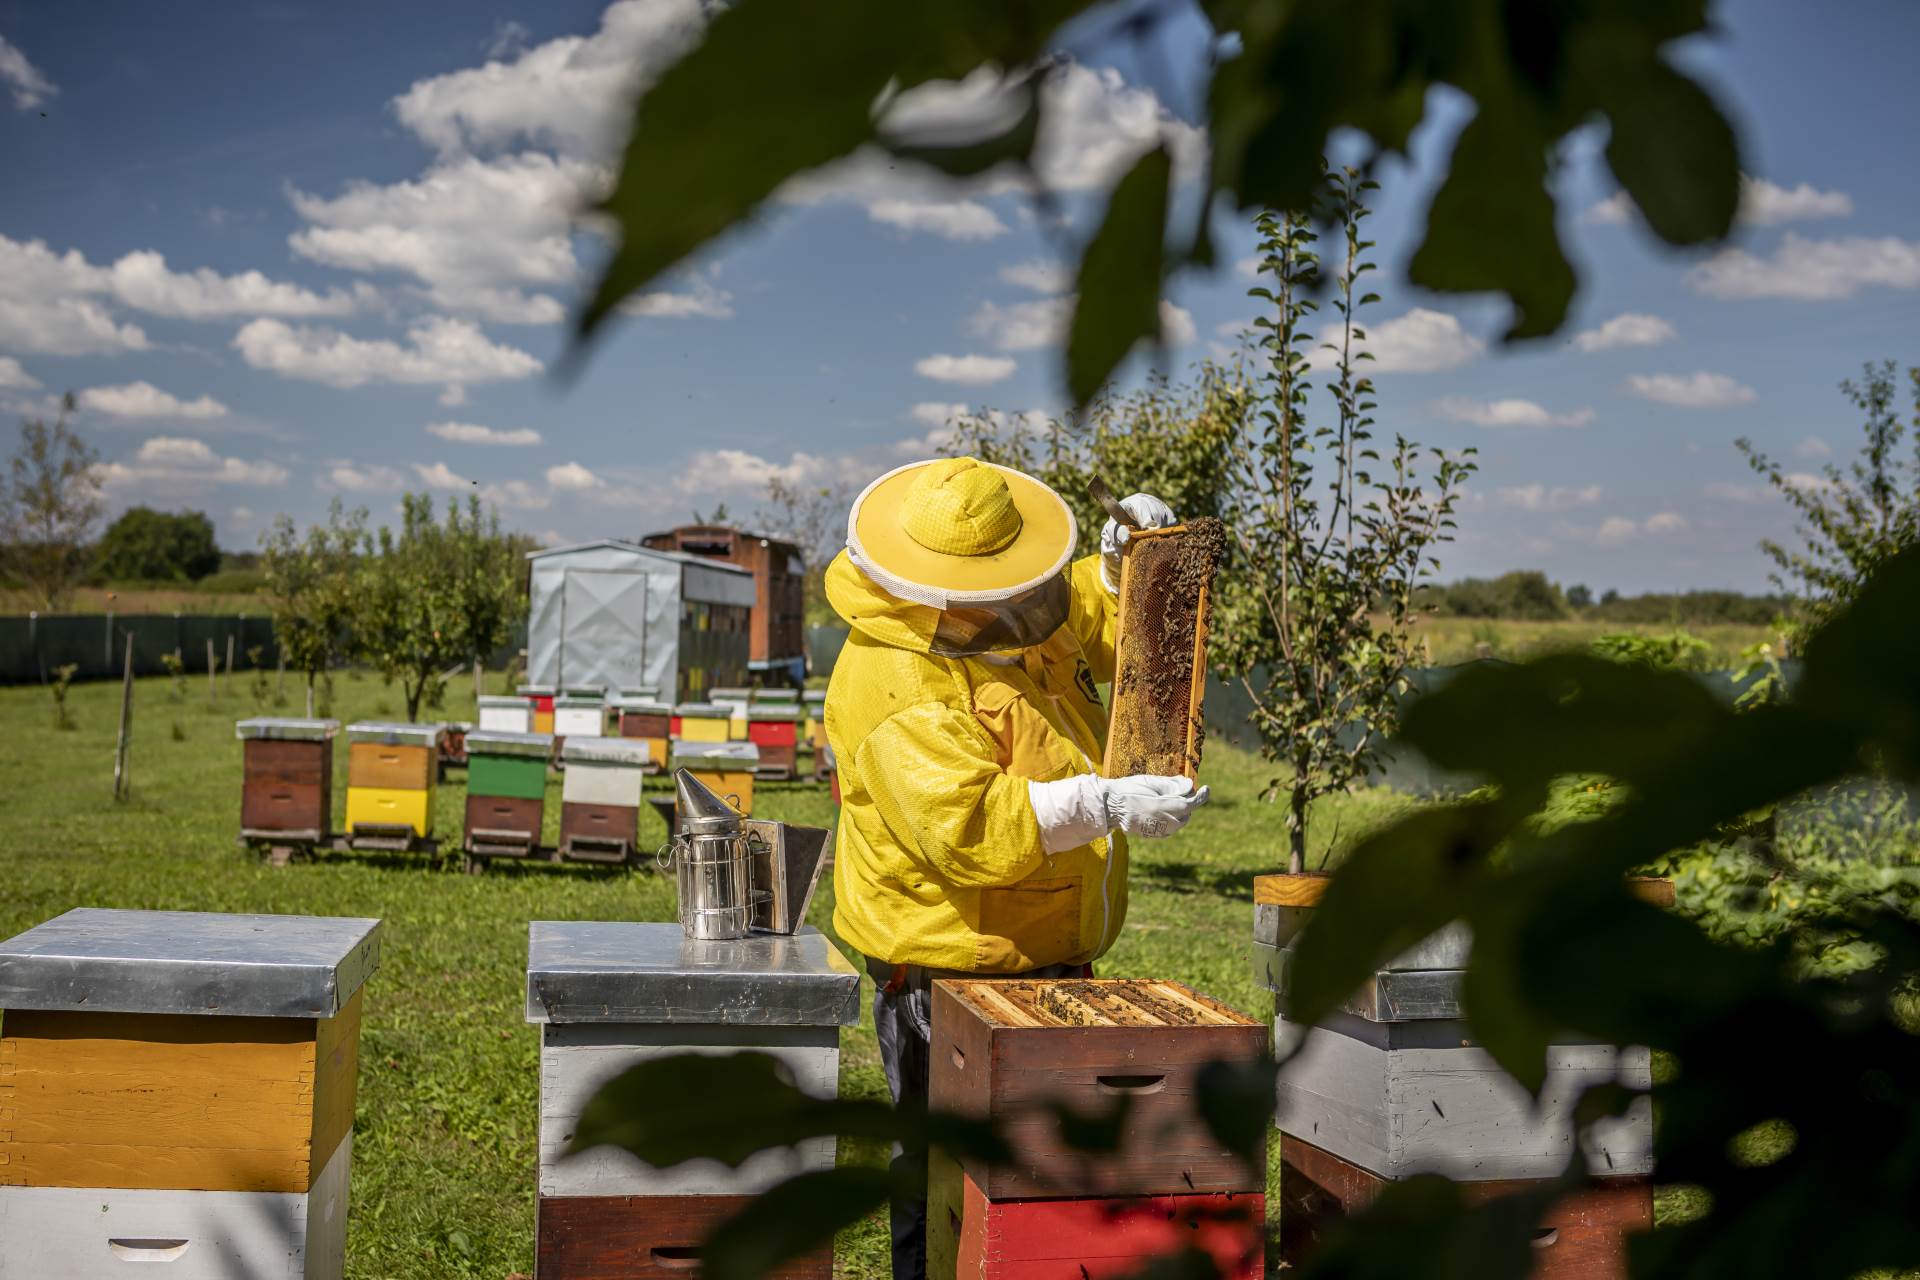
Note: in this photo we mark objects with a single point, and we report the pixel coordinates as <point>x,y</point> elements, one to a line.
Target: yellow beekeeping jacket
<point>939,861</point>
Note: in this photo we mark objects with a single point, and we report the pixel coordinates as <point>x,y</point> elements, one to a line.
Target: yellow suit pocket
<point>1028,746</point>
<point>1026,925</point>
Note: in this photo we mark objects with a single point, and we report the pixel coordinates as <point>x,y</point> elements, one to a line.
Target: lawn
<point>444,1140</point>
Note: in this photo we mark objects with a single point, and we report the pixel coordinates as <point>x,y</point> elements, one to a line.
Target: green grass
<point>444,1142</point>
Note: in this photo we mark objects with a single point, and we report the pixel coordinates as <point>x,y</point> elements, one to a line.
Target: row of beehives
<point>393,773</point>
<point>778,721</point>
<point>180,1090</point>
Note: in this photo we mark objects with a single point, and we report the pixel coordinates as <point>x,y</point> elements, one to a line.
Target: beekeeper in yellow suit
<point>976,834</point>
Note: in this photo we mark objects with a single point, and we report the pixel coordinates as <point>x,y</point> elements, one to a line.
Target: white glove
<point>1076,810</point>
<point>1149,513</point>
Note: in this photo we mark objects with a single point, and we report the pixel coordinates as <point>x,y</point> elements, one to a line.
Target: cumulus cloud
<point>473,433</point>
<point>936,413</point>
<point>15,378</point>
<point>143,281</point>
<point>1042,322</point>
<point>177,463</point>
<point>520,496</point>
<point>438,349</point>
<point>26,82</point>
<point>1509,412</point>
<point>971,370</point>
<point>1421,341</point>
<point>144,400</point>
<point>1700,390</point>
<point>573,477</point>
<point>439,475</point>
<point>1762,204</point>
<point>700,298</point>
<point>949,219</point>
<point>1618,531</point>
<point>368,479</point>
<point>1540,497</point>
<point>1628,329</point>
<point>709,469</point>
<point>1810,270</point>
<point>1665,522</point>
<point>1812,447</point>
<point>1039,275</point>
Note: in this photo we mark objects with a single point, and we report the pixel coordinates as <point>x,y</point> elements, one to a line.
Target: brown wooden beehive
<point>1013,1049</point>
<point>1160,650</point>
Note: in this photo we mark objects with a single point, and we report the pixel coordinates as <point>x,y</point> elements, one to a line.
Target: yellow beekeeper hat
<point>956,531</point>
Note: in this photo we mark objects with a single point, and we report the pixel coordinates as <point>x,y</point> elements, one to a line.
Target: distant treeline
<point>1530,594</point>
<point>144,547</point>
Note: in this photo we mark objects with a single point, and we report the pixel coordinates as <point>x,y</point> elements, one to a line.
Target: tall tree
<point>1331,540</point>
<point>813,518</point>
<point>310,589</point>
<point>1854,519</point>
<point>150,545</point>
<point>49,507</point>
<point>487,583</point>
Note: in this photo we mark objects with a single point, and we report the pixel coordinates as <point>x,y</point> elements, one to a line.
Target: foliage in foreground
<point>736,117</point>
<point>1820,1055</point>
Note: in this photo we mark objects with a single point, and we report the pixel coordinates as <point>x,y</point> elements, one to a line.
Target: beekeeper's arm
<point>935,779</point>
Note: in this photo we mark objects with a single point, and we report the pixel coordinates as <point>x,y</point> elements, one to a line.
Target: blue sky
<point>286,253</point>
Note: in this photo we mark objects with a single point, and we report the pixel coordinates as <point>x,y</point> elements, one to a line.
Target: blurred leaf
<point>1674,153</point>
<point>1235,1102</point>
<point>1097,1131</point>
<point>1119,285</point>
<point>962,160</point>
<point>1423,1227</point>
<point>1189,1263</point>
<point>1861,666</point>
<point>650,1110</point>
<point>791,1219</point>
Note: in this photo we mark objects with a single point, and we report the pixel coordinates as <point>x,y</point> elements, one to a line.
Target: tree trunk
<point>309,695</point>
<point>1297,831</point>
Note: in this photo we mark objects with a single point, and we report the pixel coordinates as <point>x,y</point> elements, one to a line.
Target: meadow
<point>444,1143</point>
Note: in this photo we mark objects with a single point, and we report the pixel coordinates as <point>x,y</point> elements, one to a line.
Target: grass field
<point>444,1141</point>
<point>124,600</point>
<point>1455,640</point>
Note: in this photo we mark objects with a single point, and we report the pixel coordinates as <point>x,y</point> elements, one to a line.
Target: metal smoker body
<point>737,875</point>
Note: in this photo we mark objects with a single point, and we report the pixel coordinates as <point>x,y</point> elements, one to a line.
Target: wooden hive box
<point>579,716</point>
<point>703,722</point>
<point>1006,1048</point>
<point>287,779</point>
<point>1582,1237</point>
<point>506,791</point>
<point>608,996</point>
<point>505,713</point>
<point>180,1089</point>
<point>600,796</point>
<point>392,772</point>
<point>541,698</point>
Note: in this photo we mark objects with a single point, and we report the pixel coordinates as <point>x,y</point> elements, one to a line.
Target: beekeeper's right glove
<point>1085,807</point>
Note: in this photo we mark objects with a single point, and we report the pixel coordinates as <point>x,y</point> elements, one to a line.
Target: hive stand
<point>608,996</point>
<point>1394,1084</point>
<point>1007,1049</point>
<point>286,791</point>
<point>179,1088</point>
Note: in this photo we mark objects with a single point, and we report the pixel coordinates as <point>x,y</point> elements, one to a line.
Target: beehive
<point>540,696</point>
<point>286,792</point>
<point>736,700</point>
<point>392,770</point>
<point>600,797</point>
<point>1005,1049</point>
<point>703,722</point>
<point>647,719</point>
<point>503,713</point>
<point>179,1089</point>
<point>817,718</point>
<point>506,792</point>
<point>775,729</point>
<point>608,996</point>
<point>579,715</point>
<point>726,768</point>
<point>1160,650</point>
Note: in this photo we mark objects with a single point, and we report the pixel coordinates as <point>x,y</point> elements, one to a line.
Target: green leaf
<point>1674,152</point>
<point>1491,224</point>
<point>1424,1227</point>
<point>965,160</point>
<point>789,1220</point>
<point>1235,1101</point>
<point>1119,283</point>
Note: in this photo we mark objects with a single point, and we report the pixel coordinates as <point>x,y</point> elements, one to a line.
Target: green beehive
<point>512,765</point>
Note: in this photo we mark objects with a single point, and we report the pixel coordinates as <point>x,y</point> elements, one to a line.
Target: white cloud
<point>948,219</point>
<point>1628,329</point>
<point>29,85</point>
<point>1509,412</point>
<point>143,281</point>
<point>1247,268</point>
<point>1700,390</point>
<point>144,400</point>
<point>509,40</point>
<point>517,495</point>
<point>1539,497</point>
<point>573,477</point>
<point>1728,491</point>
<point>701,298</point>
<point>1618,531</point>
<point>439,475</point>
<point>176,463</point>
<point>971,370</point>
<point>1042,322</point>
<point>1762,204</point>
<point>1664,522</point>
<point>472,433</point>
<point>373,479</point>
<point>1811,270</point>
<point>712,469</point>
<point>1176,324</point>
<point>1039,275</point>
<point>14,378</point>
<point>936,414</point>
<point>1615,530</point>
<point>1421,341</point>
<point>1813,447</point>
<point>438,349</point>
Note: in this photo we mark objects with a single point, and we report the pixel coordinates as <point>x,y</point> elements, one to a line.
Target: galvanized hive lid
<point>644,704</point>
<point>284,729</point>
<point>777,697</point>
<point>607,971</point>
<point>699,810</point>
<point>597,692</point>
<point>396,733</point>
<point>631,752</point>
<point>774,712</point>
<point>729,756</point>
<point>730,693</point>
<point>502,700</point>
<point>534,690</point>
<point>703,710</point>
<point>579,702</point>
<point>502,742</point>
<point>640,691</point>
<point>199,962</point>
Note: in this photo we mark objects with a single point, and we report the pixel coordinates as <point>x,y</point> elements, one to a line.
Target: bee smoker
<point>737,875</point>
